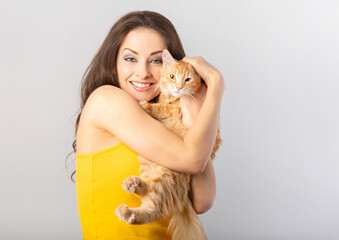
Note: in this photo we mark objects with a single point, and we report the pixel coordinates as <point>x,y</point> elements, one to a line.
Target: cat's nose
<point>179,88</point>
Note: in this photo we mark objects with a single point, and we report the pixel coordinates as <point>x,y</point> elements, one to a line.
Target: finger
<point>197,65</point>
<point>190,60</point>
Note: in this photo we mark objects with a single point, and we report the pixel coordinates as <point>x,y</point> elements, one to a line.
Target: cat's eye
<point>171,76</point>
<point>187,79</point>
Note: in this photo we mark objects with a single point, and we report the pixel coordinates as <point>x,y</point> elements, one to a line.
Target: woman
<point>112,129</point>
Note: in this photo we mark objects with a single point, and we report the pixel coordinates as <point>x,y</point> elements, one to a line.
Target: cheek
<point>156,73</point>
<point>170,86</point>
<point>123,72</point>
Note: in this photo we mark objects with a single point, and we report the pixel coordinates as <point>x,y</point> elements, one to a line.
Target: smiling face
<point>139,62</point>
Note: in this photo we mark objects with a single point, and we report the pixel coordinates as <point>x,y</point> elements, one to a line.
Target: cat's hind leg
<point>146,213</point>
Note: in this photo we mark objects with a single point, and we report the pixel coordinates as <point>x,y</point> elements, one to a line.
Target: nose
<point>143,71</point>
<point>179,88</point>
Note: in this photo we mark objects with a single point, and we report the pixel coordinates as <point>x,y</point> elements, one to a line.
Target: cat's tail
<point>186,225</point>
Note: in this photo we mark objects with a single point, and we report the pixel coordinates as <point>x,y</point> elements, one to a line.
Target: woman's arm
<point>113,110</point>
<point>203,189</point>
<point>216,87</point>
<point>203,185</point>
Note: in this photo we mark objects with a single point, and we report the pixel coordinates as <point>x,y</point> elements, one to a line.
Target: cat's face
<point>178,78</point>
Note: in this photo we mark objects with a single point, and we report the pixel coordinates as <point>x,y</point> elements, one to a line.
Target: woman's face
<point>139,62</point>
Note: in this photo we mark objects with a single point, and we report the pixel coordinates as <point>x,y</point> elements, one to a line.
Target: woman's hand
<point>207,72</point>
<point>215,82</point>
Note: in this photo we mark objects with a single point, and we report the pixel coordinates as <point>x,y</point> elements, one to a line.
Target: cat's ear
<point>167,58</point>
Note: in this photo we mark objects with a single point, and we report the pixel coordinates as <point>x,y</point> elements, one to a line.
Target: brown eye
<point>187,79</point>
<point>171,76</point>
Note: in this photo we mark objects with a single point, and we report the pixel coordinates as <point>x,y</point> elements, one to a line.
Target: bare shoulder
<point>107,93</point>
<point>108,99</point>
<point>100,118</point>
<point>108,107</point>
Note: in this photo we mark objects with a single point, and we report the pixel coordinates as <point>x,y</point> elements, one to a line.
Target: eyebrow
<point>153,53</point>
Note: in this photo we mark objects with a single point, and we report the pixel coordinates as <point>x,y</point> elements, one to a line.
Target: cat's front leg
<point>146,106</point>
<point>134,184</point>
<point>160,111</point>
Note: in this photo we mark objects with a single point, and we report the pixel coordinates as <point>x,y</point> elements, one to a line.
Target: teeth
<point>141,84</point>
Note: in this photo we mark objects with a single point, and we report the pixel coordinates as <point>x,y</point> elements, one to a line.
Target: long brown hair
<point>102,69</point>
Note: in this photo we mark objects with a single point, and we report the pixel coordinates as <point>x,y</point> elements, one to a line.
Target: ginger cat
<point>165,193</point>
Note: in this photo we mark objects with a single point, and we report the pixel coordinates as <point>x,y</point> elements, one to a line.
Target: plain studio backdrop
<point>278,168</point>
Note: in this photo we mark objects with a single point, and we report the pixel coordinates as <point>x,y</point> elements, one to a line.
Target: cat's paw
<point>125,214</point>
<point>131,184</point>
<point>143,103</point>
<point>146,106</point>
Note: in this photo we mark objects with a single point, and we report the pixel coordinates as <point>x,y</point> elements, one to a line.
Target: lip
<point>141,82</point>
<point>141,89</point>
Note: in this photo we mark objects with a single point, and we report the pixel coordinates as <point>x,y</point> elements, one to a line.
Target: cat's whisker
<point>199,95</point>
<point>191,95</point>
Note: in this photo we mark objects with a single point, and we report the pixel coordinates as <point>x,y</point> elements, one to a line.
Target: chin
<point>144,98</point>
<point>141,96</point>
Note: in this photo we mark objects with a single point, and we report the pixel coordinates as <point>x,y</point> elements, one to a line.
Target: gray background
<point>277,170</point>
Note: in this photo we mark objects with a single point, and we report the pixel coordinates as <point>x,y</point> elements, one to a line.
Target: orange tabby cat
<point>166,193</point>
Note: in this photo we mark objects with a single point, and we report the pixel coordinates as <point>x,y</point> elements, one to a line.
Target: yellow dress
<point>99,177</point>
